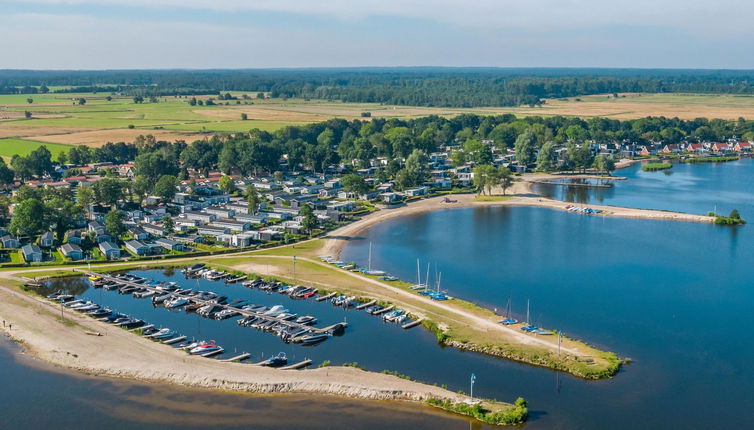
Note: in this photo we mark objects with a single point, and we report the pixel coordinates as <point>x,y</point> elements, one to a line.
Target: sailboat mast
<point>418,273</point>
<point>369,261</point>
<point>527,312</point>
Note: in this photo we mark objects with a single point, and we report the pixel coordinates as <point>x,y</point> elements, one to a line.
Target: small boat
<point>306,320</point>
<point>389,278</point>
<point>94,278</point>
<point>275,310</point>
<point>55,295</point>
<point>371,310</point>
<point>175,302</point>
<point>165,334</point>
<point>275,361</point>
<point>313,338</point>
<point>99,313</point>
<point>225,314</point>
<point>205,348</point>
<point>159,299</point>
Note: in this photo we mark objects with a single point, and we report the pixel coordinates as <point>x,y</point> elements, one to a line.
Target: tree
<point>485,177</point>
<point>138,99</point>
<point>27,114</point>
<point>504,178</point>
<point>477,152</point>
<point>140,187</point>
<point>168,224</point>
<point>82,101</point>
<point>260,96</point>
<point>252,199</point>
<point>165,187</point>
<point>30,100</point>
<point>581,157</point>
<point>278,175</point>
<point>85,196</point>
<point>524,147</point>
<point>547,159</point>
<point>114,223</point>
<point>244,117</point>
<point>6,174</point>
<point>226,184</point>
<point>309,220</point>
<point>734,214</point>
<point>108,191</point>
<point>458,158</point>
<point>28,218</point>
<point>354,183</point>
<point>416,167</point>
<point>62,215</point>
<point>604,163</point>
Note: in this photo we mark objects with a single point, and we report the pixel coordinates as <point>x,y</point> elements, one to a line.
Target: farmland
<point>59,119</point>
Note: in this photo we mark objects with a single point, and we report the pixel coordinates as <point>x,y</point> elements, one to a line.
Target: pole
<point>473,378</point>
<point>294,269</point>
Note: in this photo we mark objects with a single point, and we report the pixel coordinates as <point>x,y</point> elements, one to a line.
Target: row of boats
<point>583,210</point>
<point>164,335</point>
<point>277,319</point>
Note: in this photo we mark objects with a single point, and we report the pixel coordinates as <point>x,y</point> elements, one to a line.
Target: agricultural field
<point>10,147</point>
<point>59,119</point>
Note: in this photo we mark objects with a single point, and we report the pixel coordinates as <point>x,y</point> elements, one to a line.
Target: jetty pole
<point>473,379</point>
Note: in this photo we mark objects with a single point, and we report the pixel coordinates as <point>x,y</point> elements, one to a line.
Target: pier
<point>174,340</point>
<point>240,357</point>
<point>412,324</point>
<point>335,328</point>
<point>573,184</point>
<point>384,310</point>
<point>366,305</point>
<point>323,298</point>
<point>299,365</point>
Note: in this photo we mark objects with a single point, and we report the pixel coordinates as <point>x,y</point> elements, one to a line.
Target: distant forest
<point>426,86</point>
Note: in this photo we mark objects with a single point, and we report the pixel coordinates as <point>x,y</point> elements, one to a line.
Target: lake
<point>36,395</point>
<point>674,297</point>
<point>693,188</point>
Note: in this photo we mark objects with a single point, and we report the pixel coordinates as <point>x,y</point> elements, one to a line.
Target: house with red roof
<point>720,147</point>
<point>742,147</point>
<point>671,149</point>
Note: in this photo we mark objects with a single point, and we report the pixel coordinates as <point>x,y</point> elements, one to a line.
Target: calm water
<point>693,188</point>
<point>36,395</point>
<point>675,297</point>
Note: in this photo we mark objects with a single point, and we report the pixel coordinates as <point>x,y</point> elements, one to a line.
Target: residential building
<point>32,253</point>
<point>72,251</point>
<point>169,244</point>
<point>47,239</point>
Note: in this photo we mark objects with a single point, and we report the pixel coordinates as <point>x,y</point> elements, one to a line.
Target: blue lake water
<point>38,396</point>
<point>675,297</point>
<point>693,188</point>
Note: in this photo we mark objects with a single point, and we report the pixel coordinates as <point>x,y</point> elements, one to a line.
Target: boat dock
<point>412,323</point>
<point>323,298</point>
<point>366,305</point>
<point>384,310</point>
<point>299,365</point>
<point>574,184</point>
<point>174,340</point>
<point>244,313</point>
<point>146,327</point>
<point>240,357</point>
<point>210,354</point>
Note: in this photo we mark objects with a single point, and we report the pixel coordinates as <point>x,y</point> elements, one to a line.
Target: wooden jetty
<point>323,298</point>
<point>174,340</point>
<point>240,357</point>
<point>142,327</point>
<point>412,323</point>
<point>335,328</point>
<point>299,365</point>
<point>210,354</point>
<point>366,305</point>
<point>574,184</point>
<point>234,280</point>
<point>384,310</point>
<point>244,313</point>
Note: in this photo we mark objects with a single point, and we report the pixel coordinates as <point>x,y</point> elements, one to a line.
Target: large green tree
<point>165,188</point>
<point>29,218</point>
<point>525,145</point>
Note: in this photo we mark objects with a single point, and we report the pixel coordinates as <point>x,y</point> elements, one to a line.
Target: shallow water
<point>36,395</point>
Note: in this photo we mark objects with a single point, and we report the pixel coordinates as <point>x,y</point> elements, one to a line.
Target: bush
<point>654,167</point>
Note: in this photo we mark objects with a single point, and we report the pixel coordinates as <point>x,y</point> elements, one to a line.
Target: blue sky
<point>128,34</point>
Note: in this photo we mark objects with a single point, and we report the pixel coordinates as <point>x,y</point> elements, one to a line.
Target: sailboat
<point>508,320</point>
<point>369,270</point>
<point>437,295</point>
<point>529,328</point>
<point>419,285</point>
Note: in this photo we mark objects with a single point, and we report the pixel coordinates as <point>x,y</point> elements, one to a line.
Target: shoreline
<point>521,195</point>
<point>35,324</point>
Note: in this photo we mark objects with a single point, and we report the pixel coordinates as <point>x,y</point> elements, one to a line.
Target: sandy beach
<point>36,324</point>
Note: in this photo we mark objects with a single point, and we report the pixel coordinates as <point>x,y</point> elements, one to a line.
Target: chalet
<point>47,239</point>
<point>212,231</point>
<point>278,215</point>
<point>341,206</point>
<point>154,230</point>
<point>646,150</point>
<point>328,192</point>
<point>333,183</point>
<point>137,247</point>
<point>185,223</point>
<point>220,212</point>
<point>390,198</point>
<point>671,149</point>
<point>103,237</point>
<point>444,183</point>
<point>347,195</point>
<point>413,192</point>
<point>697,148</point>
<point>72,251</point>
<point>720,147</point>
<point>199,216</point>
<point>74,237</point>
<point>138,233</point>
<point>293,227</point>
<point>742,147</point>
<point>268,235</point>
<point>169,244</point>
<point>239,240</point>
<point>9,242</point>
<point>260,218</point>
<point>188,239</point>
<point>32,253</point>
<point>329,214</point>
<point>96,227</point>
<point>233,225</point>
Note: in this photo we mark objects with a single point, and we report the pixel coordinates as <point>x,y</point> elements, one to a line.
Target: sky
<point>202,34</point>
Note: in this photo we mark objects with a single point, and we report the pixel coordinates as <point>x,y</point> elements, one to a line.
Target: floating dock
<point>366,305</point>
<point>240,357</point>
<point>412,324</point>
<point>574,184</point>
<point>323,298</point>
<point>299,365</point>
<point>174,340</point>
<point>213,353</point>
<point>142,327</point>
<point>384,310</point>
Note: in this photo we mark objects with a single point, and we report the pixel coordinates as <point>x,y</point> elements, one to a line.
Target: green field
<point>57,118</point>
<point>10,147</point>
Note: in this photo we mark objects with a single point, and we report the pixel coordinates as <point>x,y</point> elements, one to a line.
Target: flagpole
<point>473,378</point>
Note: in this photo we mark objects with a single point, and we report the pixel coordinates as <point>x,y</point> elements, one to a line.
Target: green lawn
<point>10,147</point>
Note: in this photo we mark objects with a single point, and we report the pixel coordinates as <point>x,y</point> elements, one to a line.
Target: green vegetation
<point>654,167</point>
<point>11,147</point>
<point>694,160</point>
<point>734,218</point>
<point>489,412</point>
